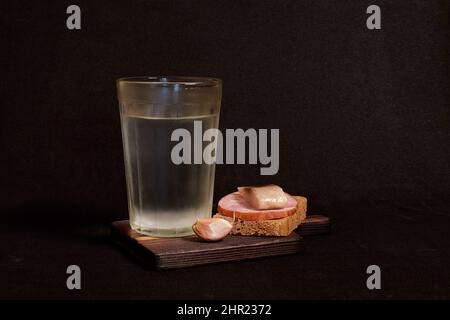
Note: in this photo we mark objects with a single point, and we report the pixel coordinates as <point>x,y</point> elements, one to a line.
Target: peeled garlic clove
<point>212,229</point>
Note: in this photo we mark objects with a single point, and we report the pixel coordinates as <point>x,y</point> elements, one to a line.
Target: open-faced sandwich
<point>262,211</point>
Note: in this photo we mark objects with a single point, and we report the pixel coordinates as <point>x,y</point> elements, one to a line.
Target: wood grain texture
<point>314,225</point>
<point>169,253</point>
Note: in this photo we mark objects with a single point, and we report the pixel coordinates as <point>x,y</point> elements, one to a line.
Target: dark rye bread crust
<point>276,227</point>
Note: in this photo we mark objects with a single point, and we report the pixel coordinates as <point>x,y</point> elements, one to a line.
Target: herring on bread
<point>239,209</point>
<point>264,197</point>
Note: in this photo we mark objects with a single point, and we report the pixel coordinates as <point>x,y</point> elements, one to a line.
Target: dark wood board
<point>314,225</point>
<point>169,253</point>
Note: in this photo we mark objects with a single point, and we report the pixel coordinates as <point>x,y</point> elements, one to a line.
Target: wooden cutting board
<point>169,253</point>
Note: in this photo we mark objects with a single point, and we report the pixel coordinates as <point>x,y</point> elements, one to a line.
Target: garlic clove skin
<point>212,229</point>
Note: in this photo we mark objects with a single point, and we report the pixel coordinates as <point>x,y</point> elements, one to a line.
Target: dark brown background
<point>363,118</point>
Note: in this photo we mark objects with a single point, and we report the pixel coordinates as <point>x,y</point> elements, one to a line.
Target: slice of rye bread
<point>276,227</point>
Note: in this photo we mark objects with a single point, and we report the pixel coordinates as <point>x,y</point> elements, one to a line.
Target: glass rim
<point>164,81</point>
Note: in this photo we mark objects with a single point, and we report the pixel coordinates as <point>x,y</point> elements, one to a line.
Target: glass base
<point>163,233</point>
